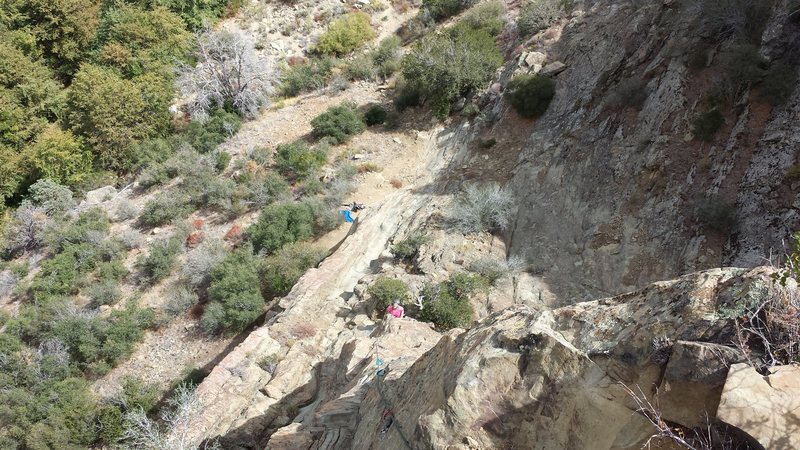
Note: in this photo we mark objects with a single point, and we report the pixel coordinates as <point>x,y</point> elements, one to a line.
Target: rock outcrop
<point>553,379</point>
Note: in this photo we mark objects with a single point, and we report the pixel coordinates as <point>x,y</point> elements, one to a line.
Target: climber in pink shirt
<point>396,310</point>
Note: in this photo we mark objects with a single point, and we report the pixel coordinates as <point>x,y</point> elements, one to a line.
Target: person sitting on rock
<point>396,310</point>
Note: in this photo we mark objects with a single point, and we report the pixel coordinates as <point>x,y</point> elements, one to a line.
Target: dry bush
<point>172,431</point>
<point>768,333</point>
<point>482,208</point>
<point>709,437</point>
<point>396,183</point>
<point>369,167</point>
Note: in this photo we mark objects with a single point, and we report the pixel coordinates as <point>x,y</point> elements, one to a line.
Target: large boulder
<point>693,381</point>
<point>765,407</point>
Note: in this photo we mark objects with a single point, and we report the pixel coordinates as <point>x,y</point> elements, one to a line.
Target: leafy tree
<point>114,113</point>
<point>196,13</point>
<point>64,29</point>
<point>346,34</point>
<point>59,155</point>
<point>139,40</point>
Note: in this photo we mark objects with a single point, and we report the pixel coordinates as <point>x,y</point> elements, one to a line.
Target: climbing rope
<point>388,419</point>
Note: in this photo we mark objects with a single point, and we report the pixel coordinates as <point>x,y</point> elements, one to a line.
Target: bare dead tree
<point>27,227</point>
<point>229,71</point>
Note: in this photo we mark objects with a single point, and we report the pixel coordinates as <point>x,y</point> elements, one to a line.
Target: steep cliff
<point>611,180</point>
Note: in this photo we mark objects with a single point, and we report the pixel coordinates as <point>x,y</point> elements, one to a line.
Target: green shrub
<point>463,285</point>
<point>159,262</point>
<point>375,115</point>
<point>281,224</point>
<point>268,363</point>
<point>54,198</point>
<point>345,34</point>
<point>324,212</point>
<point>223,159</point>
<point>386,58</point>
<point>62,274</point>
<point>298,160</point>
<point>536,15</point>
<point>779,83</point>
<point>361,67</point>
<point>138,394</point>
<point>630,93</point>
<point>112,271</point>
<point>442,67</point>
<point>487,143</point>
<point>311,186</point>
<point>98,343</point>
<point>443,309</point>
<point>110,424</point>
<point>265,189</point>
<point>103,293</point>
<point>716,214</point>
<point>206,136</point>
<point>162,210</point>
<point>486,16</point>
<point>743,64</point>
<point>408,248</point>
<point>282,270</point>
<point>309,76</point>
<point>60,156</point>
<point>530,95</point>
<point>234,294</point>
<point>339,123</point>
<point>91,226</point>
<point>179,300</point>
<point>386,290</point>
<point>706,125</point>
<point>442,9</point>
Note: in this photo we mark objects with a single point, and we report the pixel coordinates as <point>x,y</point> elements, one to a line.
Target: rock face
<point>609,186</point>
<point>766,407</point>
<point>546,380</point>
